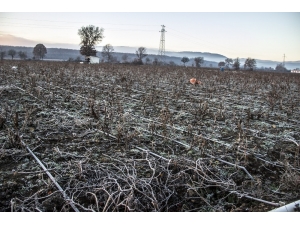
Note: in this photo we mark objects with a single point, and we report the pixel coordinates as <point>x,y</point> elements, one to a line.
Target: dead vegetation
<point>143,138</point>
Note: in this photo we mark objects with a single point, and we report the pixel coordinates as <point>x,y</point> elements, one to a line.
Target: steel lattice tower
<point>161,51</point>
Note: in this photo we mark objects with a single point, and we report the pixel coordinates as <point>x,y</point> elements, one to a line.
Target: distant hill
<point>206,55</point>
<point>52,53</point>
<point>210,59</point>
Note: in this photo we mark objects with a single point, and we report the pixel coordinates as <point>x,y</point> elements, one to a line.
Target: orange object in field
<point>195,81</point>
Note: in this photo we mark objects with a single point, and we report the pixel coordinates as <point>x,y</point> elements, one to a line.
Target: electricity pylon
<point>161,51</point>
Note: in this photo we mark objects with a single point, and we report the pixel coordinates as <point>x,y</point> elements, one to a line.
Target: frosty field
<point>142,138</point>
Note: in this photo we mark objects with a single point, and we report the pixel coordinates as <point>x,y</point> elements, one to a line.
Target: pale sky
<point>259,35</point>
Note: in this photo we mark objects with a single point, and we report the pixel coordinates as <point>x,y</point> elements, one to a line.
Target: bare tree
<point>236,64</point>
<point>199,61</point>
<point>185,60</point>
<point>12,53</point>
<point>141,53</point>
<point>90,36</point>
<point>228,62</point>
<point>250,63</point>
<point>107,51</point>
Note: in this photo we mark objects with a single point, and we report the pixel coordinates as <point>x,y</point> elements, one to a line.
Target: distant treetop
<point>90,36</point>
<point>39,51</point>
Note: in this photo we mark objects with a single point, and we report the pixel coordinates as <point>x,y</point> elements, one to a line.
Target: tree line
<point>235,64</point>
<point>249,64</point>
<point>39,52</point>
